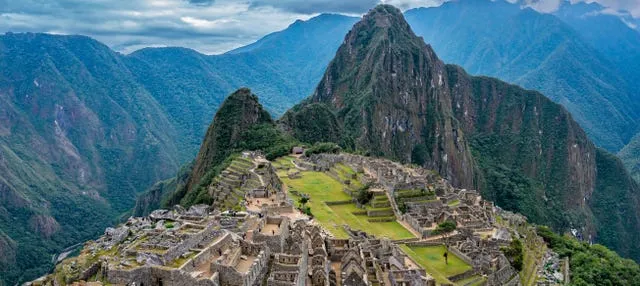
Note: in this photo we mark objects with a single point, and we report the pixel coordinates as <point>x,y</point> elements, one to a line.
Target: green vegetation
<point>284,163</point>
<point>445,229</point>
<point>615,203</point>
<point>431,258</point>
<point>515,254</point>
<point>364,196</point>
<point>592,263</point>
<point>323,189</point>
<point>322,147</point>
<point>313,123</point>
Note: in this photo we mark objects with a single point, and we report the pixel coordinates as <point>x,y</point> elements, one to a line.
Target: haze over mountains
<point>83,129</point>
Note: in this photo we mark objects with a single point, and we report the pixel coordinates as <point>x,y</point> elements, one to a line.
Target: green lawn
<point>283,163</point>
<point>346,173</point>
<point>322,188</point>
<point>431,258</point>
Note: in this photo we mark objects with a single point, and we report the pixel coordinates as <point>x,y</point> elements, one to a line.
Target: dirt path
<point>253,171</point>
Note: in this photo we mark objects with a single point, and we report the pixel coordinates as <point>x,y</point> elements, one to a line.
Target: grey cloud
<point>210,26</point>
<point>201,2</point>
<point>319,6</point>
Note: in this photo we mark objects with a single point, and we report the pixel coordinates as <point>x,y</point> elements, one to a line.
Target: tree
<point>515,254</point>
<point>445,229</point>
<point>364,196</point>
<point>304,200</point>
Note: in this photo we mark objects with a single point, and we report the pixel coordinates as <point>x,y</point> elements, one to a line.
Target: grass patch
<point>322,188</point>
<point>284,163</point>
<point>432,260</point>
<point>345,172</point>
<point>453,203</point>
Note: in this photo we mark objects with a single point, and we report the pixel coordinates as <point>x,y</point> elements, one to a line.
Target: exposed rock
<point>44,225</point>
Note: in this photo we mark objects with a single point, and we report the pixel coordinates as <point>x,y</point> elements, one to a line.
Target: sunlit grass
<point>432,260</point>
<point>322,188</point>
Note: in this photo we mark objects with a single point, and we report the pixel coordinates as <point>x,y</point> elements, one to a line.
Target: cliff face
<point>389,92</point>
<point>237,114</point>
<point>525,132</point>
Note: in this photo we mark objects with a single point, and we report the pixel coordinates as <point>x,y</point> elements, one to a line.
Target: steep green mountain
<point>537,51</point>
<point>387,91</point>
<point>389,95</point>
<point>240,124</point>
<point>78,138</point>
<point>621,45</point>
<point>239,112</point>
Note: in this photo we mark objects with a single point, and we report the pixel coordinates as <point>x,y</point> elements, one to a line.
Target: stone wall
<point>462,276</point>
<point>461,255</point>
<point>156,276</point>
<point>191,241</point>
<point>206,255</point>
<point>502,276</point>
<point>229,276</point>
<point>274,242</point>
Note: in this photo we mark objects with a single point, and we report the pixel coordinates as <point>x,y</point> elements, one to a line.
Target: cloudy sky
<point>209,26</point>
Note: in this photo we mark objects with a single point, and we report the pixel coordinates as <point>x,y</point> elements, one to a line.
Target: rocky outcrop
<point>44,225</point>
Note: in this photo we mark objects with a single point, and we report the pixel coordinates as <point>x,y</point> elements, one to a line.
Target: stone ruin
<point>269,245</point>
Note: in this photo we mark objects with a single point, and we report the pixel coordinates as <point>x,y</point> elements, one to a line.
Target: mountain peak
<point>382,82</point>
<point>384,16</point>
<point>240,111</point>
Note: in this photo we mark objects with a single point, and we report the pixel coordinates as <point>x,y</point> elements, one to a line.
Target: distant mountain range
<point>84,129</point>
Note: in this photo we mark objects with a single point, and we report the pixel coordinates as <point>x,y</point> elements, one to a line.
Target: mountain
<point>282,67</point>
<point>390,95</point>
<point>240,124</point>
<point>84,129</point>
<point>609,34</point>
<point>239,112</point>
<point>78,138</point>
<point>537,51</point>
<point>612,36</point>
<point>630,155</point>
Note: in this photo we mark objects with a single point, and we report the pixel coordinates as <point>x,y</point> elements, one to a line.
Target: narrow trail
<point>253,171</point>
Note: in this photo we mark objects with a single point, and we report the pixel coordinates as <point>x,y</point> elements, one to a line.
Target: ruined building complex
<point>254,235</point>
